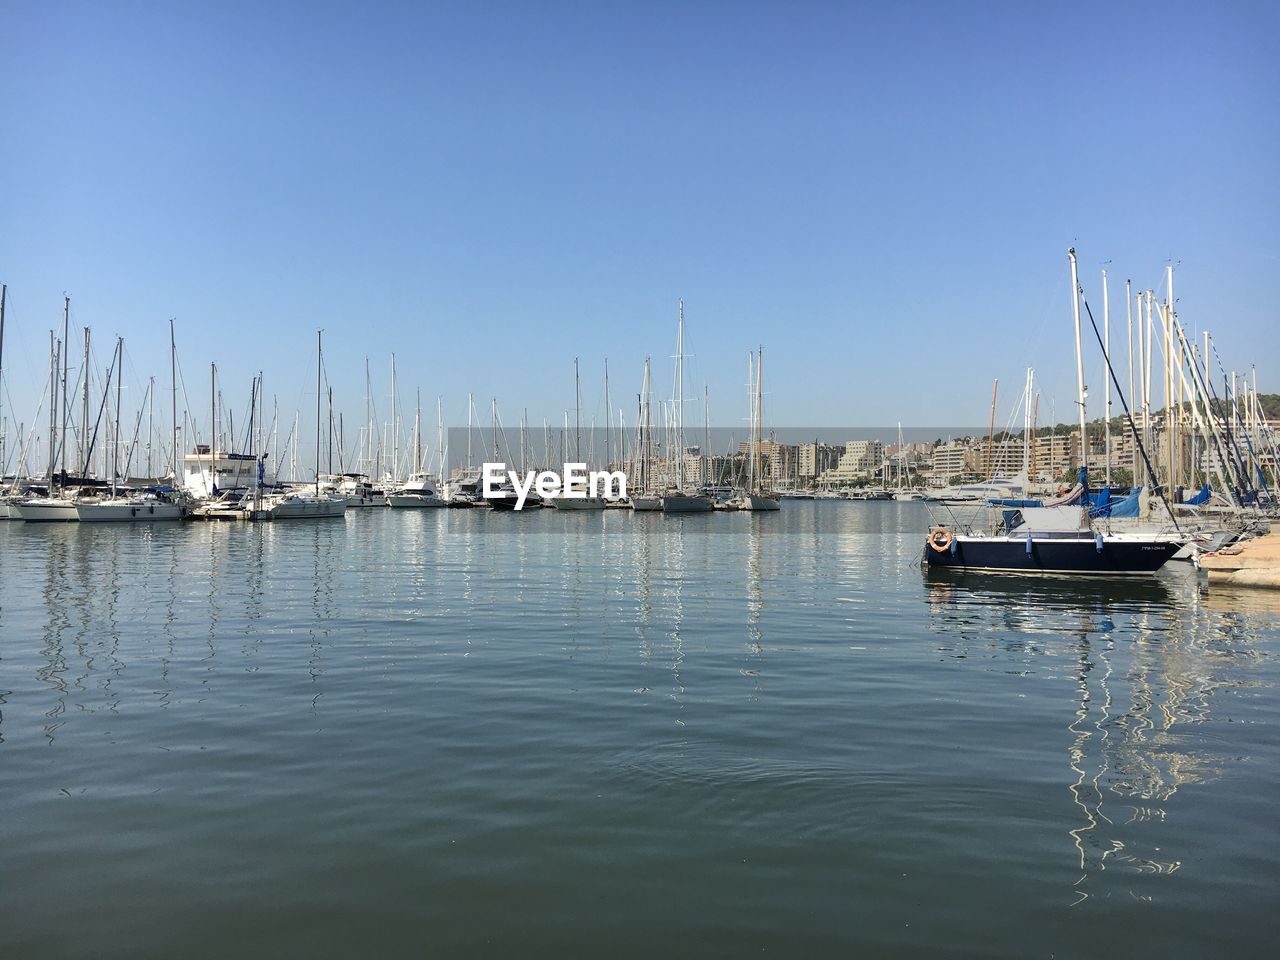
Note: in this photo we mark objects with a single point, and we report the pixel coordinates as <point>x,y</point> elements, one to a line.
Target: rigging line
<point>1132,427</point>
<point>1227,422</point>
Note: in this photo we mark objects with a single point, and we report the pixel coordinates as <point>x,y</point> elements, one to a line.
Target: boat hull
<point>578,503</point>
<point>643,503</point>
<point>356,502</point>
<point>756,502</point>
<point>1074,556</point>
<point>125,511</point>
<point>46,511</point>
<point>412,502</point>
<point>684,503</point>
<point>306,508</point>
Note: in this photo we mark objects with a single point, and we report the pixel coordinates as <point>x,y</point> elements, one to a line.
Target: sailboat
<point>642,495</point>
<point>59,506</point>
<point>121,506</point>
<point>1058,540</point>
<point>903,492</point>
<point>682,498</point>
<point>756,497</point>
<point>563,502</point>
<point>296,505</point>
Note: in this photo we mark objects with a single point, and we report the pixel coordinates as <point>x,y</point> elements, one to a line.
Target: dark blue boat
<point>1050,540</point>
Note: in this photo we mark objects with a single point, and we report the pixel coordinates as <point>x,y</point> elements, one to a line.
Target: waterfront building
<point>861,459</point>
<point>230,470</point>
<point>815,459</point>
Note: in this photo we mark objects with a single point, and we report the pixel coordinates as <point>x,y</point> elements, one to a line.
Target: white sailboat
<point>296,505</point>
<point>643,497</point>
<point>59,507</point>
<point>121,506</point>
<point>680,498</point>
<point>904,493</point>
<point>755,496</point>
<point>585,502</point>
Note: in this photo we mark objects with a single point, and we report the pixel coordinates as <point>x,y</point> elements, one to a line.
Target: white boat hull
<point>646,503</point>
<point>305,508</point>
<point>357,502</point>
<point>128,511</point>
<point>46,511</point>
<point>578,503</point>
<point>414,502</point>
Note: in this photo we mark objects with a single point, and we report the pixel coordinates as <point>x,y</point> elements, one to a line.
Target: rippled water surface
<point>461,733</point>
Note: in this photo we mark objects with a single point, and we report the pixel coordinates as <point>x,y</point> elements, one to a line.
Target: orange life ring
<point>941,539</point>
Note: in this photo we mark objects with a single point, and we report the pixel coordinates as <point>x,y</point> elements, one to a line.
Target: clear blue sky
<point>881,194</point>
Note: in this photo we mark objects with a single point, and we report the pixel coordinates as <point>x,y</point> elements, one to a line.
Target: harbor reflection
<point>1143,665</point>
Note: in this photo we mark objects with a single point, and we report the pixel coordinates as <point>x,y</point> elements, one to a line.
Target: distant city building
<point>955,458</point>
<point>861,459</point>
<point>814,459</point>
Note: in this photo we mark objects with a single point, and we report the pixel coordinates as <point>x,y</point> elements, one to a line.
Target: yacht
<point>61,509</point>
<point>140,507</point>
<point>302,506</point>
<point>419,491</point>
<point>358,491</point>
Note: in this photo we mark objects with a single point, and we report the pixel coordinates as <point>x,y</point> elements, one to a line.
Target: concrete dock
<point>1254,563</point>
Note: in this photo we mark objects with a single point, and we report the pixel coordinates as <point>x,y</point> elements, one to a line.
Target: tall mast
<point>991,430</point>
<point>417,432</point>
<point>440,437</point>
<point>1026,425</point>
<point>1080,394</point>
<point>752,442</point>
<point>319,355</point>
<point>760,411</point>
<point>395,432</point>
<point>1172,416</point>
<point>4,295</point>
<point>471,406</point>
<point>151,421</point>
<point>84,420</point>
<point>1106,355</point>
<point>54,363</point>
<point>577,413</point>
<point>115,447</point>
<point>1128,309</point>
<point>607,451</point>
<point>706,434</point>
<point>368,417</point>
<point>679,452</point>
<point>213,426</point>
<point>66,358</point>
<point>173,378</point>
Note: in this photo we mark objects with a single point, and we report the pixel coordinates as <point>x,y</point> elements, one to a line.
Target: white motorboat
<point>358,491</point>
<point>419,491</point>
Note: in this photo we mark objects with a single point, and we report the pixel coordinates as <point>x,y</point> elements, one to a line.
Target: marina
<point>697,480</point>
<point>775,731</point>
